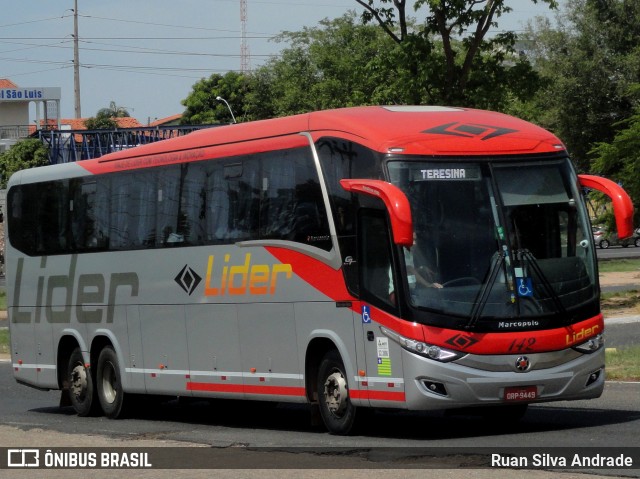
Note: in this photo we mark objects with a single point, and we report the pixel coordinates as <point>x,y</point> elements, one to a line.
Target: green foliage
<point>100,123</point>
<point>619,265</point>
<point>623,364</point>
<point>202,106</point>
<point>4,341</point>
<point>588,61</point>
<point>620,159</point>
<point>105,118</point>
<point>113,111</point>
<point>338,64</point>
<point>454,62</point>
<point>27,153</point>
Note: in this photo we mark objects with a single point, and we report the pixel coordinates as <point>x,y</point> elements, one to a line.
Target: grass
<point>4,333</point>
<point>619,265</point>
<point>623,364</point>
<point>619,299</point>
<point>4,340</point>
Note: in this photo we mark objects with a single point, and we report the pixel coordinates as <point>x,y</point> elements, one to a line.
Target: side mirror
<point>394,200</point>
<point>622,205</point>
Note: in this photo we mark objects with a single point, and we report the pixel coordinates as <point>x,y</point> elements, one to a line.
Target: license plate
<point>521,393</point>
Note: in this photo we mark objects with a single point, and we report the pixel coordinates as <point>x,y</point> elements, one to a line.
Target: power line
<point>32,21</point>
<point>266,37</point>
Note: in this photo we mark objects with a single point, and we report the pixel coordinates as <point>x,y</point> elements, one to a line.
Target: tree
<point>100,123</point>
<point>105,117</point>
<point>588,62</point>
<point>450,53</point>
<point>204,108</point>
<point>337,64</point>
<point>620,158</point>
<point>113,111</point>
<point>27,153</point>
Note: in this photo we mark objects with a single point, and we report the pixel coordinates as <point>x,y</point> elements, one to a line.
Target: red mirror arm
<point>395,201</point>
<point>622,205</point>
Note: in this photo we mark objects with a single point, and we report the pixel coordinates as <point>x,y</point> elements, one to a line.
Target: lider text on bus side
<point>86,298</point>
<point>245,278</point>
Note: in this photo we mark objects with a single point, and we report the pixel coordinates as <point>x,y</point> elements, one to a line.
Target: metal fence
<point>67,146</point>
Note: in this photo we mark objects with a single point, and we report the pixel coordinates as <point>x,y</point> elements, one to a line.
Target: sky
<point>146,55</point>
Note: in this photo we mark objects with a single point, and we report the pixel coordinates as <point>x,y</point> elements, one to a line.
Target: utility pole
<point>244,46</point>
<point>76,62</point>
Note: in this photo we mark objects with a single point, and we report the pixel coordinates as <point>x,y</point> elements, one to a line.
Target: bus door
<point>383,379</point>
<point>386,223</point>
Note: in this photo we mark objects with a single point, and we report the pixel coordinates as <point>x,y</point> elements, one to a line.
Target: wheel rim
<point>336,394</point>
<point>79,381</point>
<point>109,383</point>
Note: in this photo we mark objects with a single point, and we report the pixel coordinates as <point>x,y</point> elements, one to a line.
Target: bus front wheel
<point>337,411</point>
<point>109,383</point>
<point>81,392</point>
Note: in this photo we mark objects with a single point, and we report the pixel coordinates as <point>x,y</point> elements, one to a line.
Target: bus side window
<point>378,283</point>
<point>133,206</point>
<point>292,207</point>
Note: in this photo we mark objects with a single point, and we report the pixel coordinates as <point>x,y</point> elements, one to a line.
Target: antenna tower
<point>244,46</point>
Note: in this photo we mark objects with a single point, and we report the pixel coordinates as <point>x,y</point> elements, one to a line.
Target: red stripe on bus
<point>247,389</point>
<point>397,396</point>
<point>321,276</point>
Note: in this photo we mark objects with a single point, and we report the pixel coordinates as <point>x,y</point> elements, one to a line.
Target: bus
<point>406,257</point>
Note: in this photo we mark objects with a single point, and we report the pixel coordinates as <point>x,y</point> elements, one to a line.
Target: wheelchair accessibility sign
<point>525,287</point>
<point>366,314</point>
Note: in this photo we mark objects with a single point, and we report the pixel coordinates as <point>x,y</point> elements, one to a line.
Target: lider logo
<point>226,277</point>
<point>582,335</point>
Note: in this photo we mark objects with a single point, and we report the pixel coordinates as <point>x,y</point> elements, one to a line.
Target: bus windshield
<point>496,240</point>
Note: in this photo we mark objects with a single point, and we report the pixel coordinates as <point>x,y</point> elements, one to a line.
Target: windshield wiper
<point>483,294</point>
<point>526,255</point>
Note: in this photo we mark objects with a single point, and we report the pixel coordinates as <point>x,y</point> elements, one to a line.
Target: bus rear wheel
<point>81,390</point>
<point>109,383</point>
<point>337,411</point>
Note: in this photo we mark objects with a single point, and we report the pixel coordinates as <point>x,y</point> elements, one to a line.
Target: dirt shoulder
<point>627,304</point>
<point>628,278</point>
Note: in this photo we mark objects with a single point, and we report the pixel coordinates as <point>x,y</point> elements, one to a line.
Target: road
<point>612,420</point>
<point>618,252</point>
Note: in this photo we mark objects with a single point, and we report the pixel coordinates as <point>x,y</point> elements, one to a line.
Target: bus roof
<point>416,130</point>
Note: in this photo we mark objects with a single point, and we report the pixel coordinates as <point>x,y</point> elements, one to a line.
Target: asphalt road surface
<point>240,431</point>
<point>618,252</point>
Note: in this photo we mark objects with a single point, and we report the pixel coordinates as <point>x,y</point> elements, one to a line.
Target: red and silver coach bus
<point>390,257</point>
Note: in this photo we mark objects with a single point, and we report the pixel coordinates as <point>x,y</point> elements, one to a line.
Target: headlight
<point>423,349</point>
<point>591,345</point>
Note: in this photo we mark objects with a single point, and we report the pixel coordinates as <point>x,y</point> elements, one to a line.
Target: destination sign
<point>439,174</point>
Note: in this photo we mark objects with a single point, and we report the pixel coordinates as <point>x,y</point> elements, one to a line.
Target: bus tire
<point>109,383</point>
<point>336,409</point>
<point>81,388</point>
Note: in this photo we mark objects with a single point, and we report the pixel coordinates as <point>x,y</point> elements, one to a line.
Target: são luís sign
<point>30,94</point>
